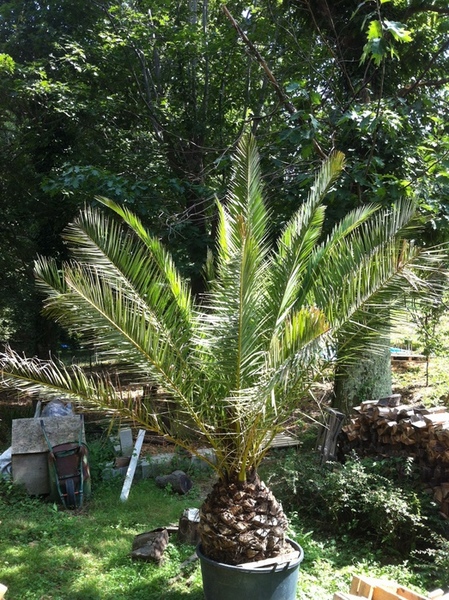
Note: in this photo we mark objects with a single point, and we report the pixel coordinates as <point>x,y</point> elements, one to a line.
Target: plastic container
<point>227,582</point>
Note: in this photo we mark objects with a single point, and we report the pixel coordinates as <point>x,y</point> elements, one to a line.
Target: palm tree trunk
<point>242,522</point>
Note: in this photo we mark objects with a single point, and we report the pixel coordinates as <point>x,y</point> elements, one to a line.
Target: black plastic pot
<point>226,582</point>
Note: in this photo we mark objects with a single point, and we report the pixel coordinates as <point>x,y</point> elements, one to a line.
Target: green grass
<point>50,554</point>
<point>47,553</point>
<point>410,381</point>
<point>410,378</point>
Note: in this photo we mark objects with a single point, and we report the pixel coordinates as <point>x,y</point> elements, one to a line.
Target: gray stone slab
<point>27,436</point>
<point>31,471</point>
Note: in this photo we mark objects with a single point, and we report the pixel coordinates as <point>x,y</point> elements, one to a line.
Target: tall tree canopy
<point>141,102</point>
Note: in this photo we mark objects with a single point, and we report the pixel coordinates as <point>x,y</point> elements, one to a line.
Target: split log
<point>437,418</point>
<point>150,546</point>
<point>178,481</point>
<point>188,526</point>
<point>393,400</point>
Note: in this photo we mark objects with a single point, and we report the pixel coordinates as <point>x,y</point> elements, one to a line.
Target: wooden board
<point>132,466</point>
<point>381,589</point>
<point>364,586</point>
<point>409,594</point>
<point>282,440</point>
<point>380,593</point>
<point>268,562</point>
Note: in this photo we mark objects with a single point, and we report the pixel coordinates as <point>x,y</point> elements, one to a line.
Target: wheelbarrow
<point>68,468</point>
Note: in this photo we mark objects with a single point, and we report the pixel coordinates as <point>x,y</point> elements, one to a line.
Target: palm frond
<point>233,325</point>
<point>233,363</point>
<point>164,265</point>
<point>114,279</point>
<point>291,260</point>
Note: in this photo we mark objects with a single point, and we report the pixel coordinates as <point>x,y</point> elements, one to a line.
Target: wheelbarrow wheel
<point>70,490</point>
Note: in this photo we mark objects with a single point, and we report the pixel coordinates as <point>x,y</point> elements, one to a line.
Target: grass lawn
<point>50,554</point>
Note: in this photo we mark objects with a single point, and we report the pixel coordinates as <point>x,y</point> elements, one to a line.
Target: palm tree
<point>234,362</point>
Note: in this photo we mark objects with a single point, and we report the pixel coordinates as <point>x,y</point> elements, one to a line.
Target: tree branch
<point>442,49</point>
<point>279,92</point>
<point>435,83</point>
<point>283,98</point>
<point>423,8</point>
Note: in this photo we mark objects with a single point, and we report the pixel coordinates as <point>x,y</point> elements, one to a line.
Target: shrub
<point>358,500</point>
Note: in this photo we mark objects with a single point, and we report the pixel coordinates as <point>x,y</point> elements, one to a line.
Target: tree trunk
<point>366,379</point>
<point>241,522</point>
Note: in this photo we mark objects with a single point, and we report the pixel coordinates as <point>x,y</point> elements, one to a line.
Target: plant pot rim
<point>292,564</point>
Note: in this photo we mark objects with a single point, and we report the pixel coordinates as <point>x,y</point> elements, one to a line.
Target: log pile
<point>380,589</point>
<point>388,428</point>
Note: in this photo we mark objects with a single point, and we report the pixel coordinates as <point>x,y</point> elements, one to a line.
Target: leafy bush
<point>372,500</point>
<point>100,453</point>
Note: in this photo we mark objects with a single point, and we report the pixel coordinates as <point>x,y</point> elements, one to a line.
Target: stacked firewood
<point>388,428</point>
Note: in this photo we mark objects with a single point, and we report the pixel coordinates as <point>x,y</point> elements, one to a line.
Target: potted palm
<point>235,361</point>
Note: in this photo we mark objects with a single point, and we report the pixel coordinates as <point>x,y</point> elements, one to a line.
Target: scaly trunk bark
<point>242,522</point>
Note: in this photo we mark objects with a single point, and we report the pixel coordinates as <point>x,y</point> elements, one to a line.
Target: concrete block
<point>31,471</point>
<point>126,441</point>
<point>110,471</point>
<point>199,463</point>
<point>143,470</point>
<point>27,436</point>
<point>29,449</point>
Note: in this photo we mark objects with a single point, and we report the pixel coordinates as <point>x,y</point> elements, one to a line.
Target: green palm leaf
<point>234,363</point>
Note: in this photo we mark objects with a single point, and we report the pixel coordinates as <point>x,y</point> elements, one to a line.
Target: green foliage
<point>11,494</point>
<point>101,451</point>
<point>7,64</point>
<point>234,363</point>
<point>377,46</point>
<point>84,555</point>
<point>379,502</point>
<point>11,407</point>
